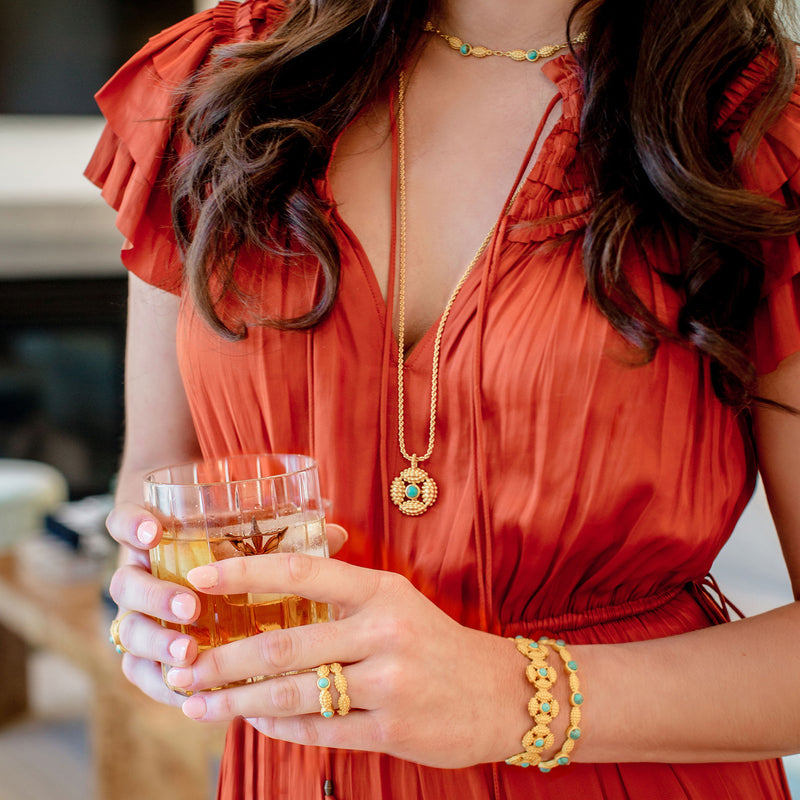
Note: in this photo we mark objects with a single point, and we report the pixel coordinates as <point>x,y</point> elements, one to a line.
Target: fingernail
<point>194,707</point>
<point>203,577</point>
<point>179,648</point>
<point>180,678</point>
<point>183,606</point>
<point>147,532</point>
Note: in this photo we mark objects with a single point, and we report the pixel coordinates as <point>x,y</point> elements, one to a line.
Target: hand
<point>422,686</point>
<point>133,588</point>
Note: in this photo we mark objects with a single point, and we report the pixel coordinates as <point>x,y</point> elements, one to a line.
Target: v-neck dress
<point>579,495</point>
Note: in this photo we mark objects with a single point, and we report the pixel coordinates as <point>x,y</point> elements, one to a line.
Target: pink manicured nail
<point>194,707</point>
<point>179,648</point>
<point>183,606</point>
<point>180,678</point>
<point>203,577</point>
<point>147,532</point>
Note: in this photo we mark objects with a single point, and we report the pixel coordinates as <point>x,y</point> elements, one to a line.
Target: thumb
<point>337,536</point>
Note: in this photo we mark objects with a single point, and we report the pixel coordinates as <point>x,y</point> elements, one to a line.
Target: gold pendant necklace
<point>413,491</point>
<point>479,51</point>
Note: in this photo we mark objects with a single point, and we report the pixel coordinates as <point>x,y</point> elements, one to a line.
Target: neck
<point>505,23</point>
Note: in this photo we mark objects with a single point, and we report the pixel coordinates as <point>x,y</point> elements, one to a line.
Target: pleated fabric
<point>607,489</point>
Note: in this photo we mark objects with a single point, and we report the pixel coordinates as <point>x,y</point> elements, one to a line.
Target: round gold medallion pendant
<point>413,491</point>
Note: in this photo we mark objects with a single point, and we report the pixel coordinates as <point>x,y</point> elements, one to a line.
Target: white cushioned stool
<point>29,490</point>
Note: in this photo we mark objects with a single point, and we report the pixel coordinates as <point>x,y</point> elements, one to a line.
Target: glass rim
<point>150,478</point>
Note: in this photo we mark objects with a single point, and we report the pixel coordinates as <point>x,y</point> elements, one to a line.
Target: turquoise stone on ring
<point>324,683</point>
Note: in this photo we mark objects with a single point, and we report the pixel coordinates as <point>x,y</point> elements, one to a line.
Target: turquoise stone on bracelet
<point>575,735</point>
<point>545,707</point>
<point>543,671</point>
<point>563,761</point>
<point>577,699</point>
<point>539,743</point>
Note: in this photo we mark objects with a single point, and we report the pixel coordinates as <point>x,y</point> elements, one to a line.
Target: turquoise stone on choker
<point>518,54</point>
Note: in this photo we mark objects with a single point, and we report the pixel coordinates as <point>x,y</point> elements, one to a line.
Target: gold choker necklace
<point>479,51</point>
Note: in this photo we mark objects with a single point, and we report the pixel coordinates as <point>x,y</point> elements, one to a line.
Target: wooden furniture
<point>141,749</point>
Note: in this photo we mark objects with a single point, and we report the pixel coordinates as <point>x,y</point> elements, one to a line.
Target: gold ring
<point>113,633</point>
<point>324,686</point>
<point>340,682</point>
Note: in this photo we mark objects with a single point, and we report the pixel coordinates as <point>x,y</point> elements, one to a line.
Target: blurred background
<point>62,321</point>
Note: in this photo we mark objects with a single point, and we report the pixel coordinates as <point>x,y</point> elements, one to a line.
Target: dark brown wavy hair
<point>260,122</point>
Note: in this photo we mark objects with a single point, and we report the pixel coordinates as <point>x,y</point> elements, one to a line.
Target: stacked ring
<point>340,682</point>
<point>324,686</point>
<point>113,633</point>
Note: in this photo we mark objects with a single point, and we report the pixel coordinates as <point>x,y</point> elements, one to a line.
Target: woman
<point>606,373</point>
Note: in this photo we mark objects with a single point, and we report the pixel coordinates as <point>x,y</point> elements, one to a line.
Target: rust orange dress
<point>578,495</point>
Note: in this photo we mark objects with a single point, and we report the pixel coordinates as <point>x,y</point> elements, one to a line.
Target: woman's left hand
<point>422,686</point>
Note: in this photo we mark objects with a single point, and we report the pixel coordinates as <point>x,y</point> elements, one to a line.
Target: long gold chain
<point>479,51</point>
<point>414,491</point>
<point>401,293</point>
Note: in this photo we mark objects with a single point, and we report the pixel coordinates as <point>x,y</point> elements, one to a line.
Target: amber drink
<point>237,507</point>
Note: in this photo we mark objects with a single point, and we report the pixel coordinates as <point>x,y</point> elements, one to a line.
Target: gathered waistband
<point>577,620</point>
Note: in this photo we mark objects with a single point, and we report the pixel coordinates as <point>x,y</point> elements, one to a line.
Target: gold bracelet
<point>533,742</point>
<point>573,733</point>
<point>542,707</point>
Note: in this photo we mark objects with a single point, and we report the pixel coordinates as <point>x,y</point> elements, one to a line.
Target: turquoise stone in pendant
<point>412,491</point>
<point>532,55</point>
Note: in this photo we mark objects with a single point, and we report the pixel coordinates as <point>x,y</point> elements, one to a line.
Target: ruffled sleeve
<point>129,163</point>
<point>775,173</point>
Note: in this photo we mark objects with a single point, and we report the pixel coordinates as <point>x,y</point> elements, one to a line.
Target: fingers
<point>134,588</point>
<point>287,696</point>
<point>145,638</point>
<point>350,732</point>
<point>336,536</point>
<point>147,676</point>
<point>272,653</point>
<point>322,579</point>
<point>133,526</point>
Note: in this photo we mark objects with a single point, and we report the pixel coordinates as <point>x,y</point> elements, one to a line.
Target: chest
<point>462,156</point>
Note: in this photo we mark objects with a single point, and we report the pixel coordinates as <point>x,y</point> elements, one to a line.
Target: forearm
<point>726,693</point>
